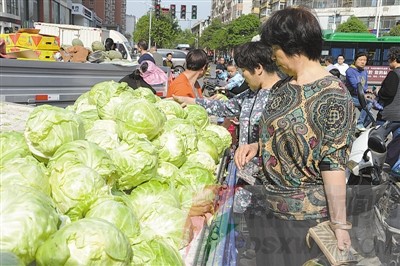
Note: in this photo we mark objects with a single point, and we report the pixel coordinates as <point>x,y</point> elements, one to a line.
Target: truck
<point>87,35</point>
<point>59,83</point>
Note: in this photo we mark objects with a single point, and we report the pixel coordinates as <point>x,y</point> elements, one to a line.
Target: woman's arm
<point>335,189</point>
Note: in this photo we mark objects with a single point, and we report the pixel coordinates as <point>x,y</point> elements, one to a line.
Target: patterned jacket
<point>247,106</point>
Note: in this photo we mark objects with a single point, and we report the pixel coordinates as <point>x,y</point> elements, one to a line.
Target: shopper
<point>186,83</point>
<point>306,133</point>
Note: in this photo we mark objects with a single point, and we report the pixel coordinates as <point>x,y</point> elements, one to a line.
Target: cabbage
<point>83,152</point>
<point>49,127</point>
<point>136,163</point>
<point>108,111</point>
<point>200,159</point>
<point>98,46</point>
<point>167,222</point>
<point>171,148</point>
<point>155,252</point>
<point>104,133</point>
<point>26,172</point>
<point>140,116</point>
<point>197,115</point>
<point>152,195</point>
<point>207,146</point>
<point>186,130</point>
<point>171,109</point>
<point>144,93</point>
<point>86,111</point>
<point>107,95</point>
<point>75,189</point>
<point>166,172</point>
<point>215,138</point>
<point>89,241</point>
<point>116,211</point>
<point>27,219</point>
<point>223,133</point>
<point>12,145</point>
<point>195,178</point>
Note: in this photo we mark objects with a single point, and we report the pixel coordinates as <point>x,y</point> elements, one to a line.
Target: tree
<point>207,37</point>
<point>163,30</point>
<point>353,24</point>
<point>395,30</point>
<point>242,30</point>
<point>186,36</point>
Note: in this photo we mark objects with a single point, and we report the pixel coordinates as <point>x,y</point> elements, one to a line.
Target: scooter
<point>367,158</point>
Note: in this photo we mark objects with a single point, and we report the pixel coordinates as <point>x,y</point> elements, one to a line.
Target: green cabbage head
<point>171,109</point>
<point>49,127</point>
<point>89,241</point>
<point>12,145</point>
<point>27,219</point>
<point>197,115</point>
<point>117,211</point>
<point>74,189</point>
<point>141,117</point>
<point>156,252</point>
<point>144,93</point>
<point>26,172</point>
<point>171,148</point>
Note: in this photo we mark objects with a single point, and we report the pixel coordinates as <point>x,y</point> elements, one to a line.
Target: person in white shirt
<point>341,65</point>
<point>329,63</point>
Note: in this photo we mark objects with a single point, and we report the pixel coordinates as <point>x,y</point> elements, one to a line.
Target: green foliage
<point>185,36</point>
<point>164,30</point>
<point>395,31</point>
<point>242,29</point>
<point>206,39</point>
<point>353,24</point>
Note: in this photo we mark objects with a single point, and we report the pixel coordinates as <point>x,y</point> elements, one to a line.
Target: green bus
<point>349,44</point>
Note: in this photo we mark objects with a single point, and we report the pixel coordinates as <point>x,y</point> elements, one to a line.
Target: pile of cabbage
<point>107,181</point>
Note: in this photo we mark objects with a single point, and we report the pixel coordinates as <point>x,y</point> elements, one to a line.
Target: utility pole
<point>149,44</point>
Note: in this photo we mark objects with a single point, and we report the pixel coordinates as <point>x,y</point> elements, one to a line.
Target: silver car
<point>178,58</point>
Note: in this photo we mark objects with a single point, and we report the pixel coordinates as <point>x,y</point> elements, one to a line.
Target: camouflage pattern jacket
<point>247,106</point>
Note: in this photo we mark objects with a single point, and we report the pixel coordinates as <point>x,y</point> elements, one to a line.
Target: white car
<point>178,58</point>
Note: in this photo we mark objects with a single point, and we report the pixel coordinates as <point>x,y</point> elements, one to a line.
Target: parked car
<point>178,58</point>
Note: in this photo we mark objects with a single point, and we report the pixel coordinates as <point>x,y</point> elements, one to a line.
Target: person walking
<point>306,133</point>
<point>158,60</point>
<point>144,54</point>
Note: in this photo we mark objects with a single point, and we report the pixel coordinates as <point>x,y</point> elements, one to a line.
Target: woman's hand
<point>343,239</point>
<point>244,154</point>
<point>184,100</point>
<point>217,96</point>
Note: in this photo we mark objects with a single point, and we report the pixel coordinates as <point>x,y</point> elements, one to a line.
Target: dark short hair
<point>340,56</point>
<point>144,66</point>
<point>231,63</point>
<point>329,59</point>
<point>143,44</point>
<point>295,30</point>
<point>252,54</point>
<point>359,54</point>
<point>394,54</point>
<point>335,72</point>
<point>196,59</point>
<point>169,54</point>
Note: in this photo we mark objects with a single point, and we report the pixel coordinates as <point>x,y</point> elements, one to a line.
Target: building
<point>81,15</point>
<point>111,12</point>
<point>198,28</point>
<point>378,15</point>
<point>130,27</point>
<point>16,14</point>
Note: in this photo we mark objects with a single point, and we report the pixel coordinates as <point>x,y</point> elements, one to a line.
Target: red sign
<point>376,74</point>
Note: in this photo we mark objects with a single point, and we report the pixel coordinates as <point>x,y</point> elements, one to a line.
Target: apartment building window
<point>55,12</point>
<point>390,2</point>
<point>387,22</point>
<point>12,7</point>
<point>31,10</point>
<point>65,15</point>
